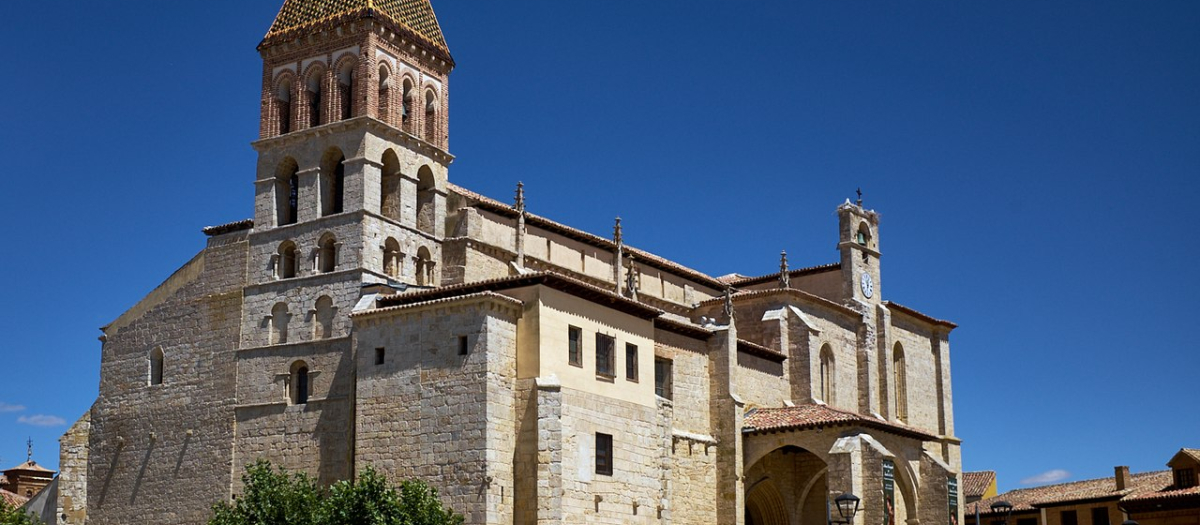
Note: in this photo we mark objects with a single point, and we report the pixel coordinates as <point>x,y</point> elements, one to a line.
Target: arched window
<point>431,118</point>
<point>389,187</point>
<point>346,79</point>
<point>279,324</point>
<point>327,254</point>
<point>406,101</point>
<point>298,383</point>
<point>863,238</point>
<point>323,327</point>
<point>287,193</point>
<point>828,371</point>
<point>283,106</point>
<point>285,261</point>
<point>314,96</point>
<point>393,260</point>
<point>425,268</point>
<point>156,366</point>
<point>333,182</point>
<point>900,383</point>
<point>426,212</point>
<point>385,95</point>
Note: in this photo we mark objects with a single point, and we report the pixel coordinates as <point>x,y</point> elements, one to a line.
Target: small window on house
<point>1100,516</point>
<point>575,348</point>
<point>286,261</point>
<point>604,454</point>
<point>380,355</point>
<point>156,366</point>
<point>346,89</point>
<point>631,362</point>
<point>299,383</point>
<point>1185,478</point>
<point>1068,517</point>
<point>327,255</point>
<point>662,377</point>
<point>605,350</point>
<point>463,346</point>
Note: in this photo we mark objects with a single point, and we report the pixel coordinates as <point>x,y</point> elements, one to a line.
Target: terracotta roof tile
<point>775,291</point>
<point>30,466</point>
<point>1167,493</point>
<point>919,315</point>
<point>1193,453</point>
<point>742,280</point>
<point>416,16</point>
<point>244,224</point>
<point>12,499</point>
<point>1029,499</point>
<point>975,484</point>
<point>803,417</point>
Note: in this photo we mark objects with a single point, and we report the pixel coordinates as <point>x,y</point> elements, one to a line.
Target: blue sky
<point>1035,164</point>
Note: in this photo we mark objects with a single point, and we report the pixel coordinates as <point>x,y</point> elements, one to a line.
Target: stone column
<point>726,407</point>
<point>408,199</point>
<point>550,453</point>
<point>364,179</point>
<point>309,195</point>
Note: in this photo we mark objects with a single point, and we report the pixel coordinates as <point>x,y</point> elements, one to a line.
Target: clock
<point>868,285</point>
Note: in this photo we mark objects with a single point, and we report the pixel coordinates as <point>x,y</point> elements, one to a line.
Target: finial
<point>785,277</point>
<point>617,237</point>
<point>729,302</point>
<point>29,449</point>
<point>859,192</point>
<point>520,197</point>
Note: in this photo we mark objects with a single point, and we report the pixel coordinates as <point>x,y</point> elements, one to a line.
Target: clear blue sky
<point>1035,164</point>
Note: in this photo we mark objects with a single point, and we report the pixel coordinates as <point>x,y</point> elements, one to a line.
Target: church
<point>374,313</point>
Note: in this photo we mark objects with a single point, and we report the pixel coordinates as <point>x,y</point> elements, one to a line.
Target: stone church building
<point>374,313</point>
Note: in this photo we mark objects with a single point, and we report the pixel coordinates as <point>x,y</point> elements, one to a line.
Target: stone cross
<point>859,192</point>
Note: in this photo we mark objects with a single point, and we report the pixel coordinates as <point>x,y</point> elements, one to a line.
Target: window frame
<point>380,355</point>
<point>1100,511</point>
<point>664,378</point>
<point>606,358</point>
<point>1062,517</point>
<point>604,454</point>
<point>575,346</point>
<point>631,363</point>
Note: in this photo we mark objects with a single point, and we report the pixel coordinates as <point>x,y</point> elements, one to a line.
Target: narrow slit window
<point>575,346</point>
<point>605,348</point>
<point>604,454</point>
<point>631,362</point>
<point>380,356</point>
<point>662,378</point>
<point>464,346</point>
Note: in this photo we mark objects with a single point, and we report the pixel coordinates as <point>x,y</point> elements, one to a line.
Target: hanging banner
<point>889,491</point>
<point>952,490</point>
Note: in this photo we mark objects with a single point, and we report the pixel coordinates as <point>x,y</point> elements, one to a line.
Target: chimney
<point>1123,481</point>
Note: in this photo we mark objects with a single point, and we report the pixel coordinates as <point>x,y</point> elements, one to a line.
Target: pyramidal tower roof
<point>416,16</point>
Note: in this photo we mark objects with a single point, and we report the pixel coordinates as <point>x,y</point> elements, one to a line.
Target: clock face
<point>868,285</point>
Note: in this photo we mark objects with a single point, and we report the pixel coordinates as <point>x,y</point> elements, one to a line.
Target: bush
<point>10,515</point>
<point>272,497</point>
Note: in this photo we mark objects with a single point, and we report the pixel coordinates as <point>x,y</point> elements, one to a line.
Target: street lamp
<point>847,507</point>
<point>1003,509</point>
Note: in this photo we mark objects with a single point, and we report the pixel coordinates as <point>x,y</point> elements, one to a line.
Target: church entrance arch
<point>786,486</point>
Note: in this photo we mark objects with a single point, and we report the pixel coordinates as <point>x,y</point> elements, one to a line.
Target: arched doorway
<point>786,487</point>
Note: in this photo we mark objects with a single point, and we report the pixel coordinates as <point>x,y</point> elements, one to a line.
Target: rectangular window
<point>1100,516</point>
<point>604,454</point>
<point>1185,478</point>
<point>1069,518</point>
<point>463,347</point>
<point>606,356</point>
<point>631,362</point>
<point>575,353</point>
<point>662,377</point>
<point>380,353</point>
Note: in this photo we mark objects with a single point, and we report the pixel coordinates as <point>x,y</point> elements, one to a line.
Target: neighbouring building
<point>978,485</point>
<point>1165,497</point>
<point>374,313</point>
<point>26,479</point>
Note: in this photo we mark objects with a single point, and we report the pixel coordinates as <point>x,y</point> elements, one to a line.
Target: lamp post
<point>1003,509</point>
<point>847,507</point>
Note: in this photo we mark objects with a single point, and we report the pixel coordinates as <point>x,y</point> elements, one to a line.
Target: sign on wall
<point>952,491</point>
<point>889,491</point>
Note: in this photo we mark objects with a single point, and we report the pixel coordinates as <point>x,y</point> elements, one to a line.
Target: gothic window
<point>313,94</point>
<point>389,187</point>
<point>323,325</point>
<point>393,260</point>
<point>425,268</point>
<point>900,383</point>
<point>662,377</point>
<point>156,366</point>
<point>279,324</point>
<point>605,356</point>
<point>431,118</point>
<point>385,95</point>
<point>575,346</point>
<point>346,81</point>
<point>287,193</point>
<point>827,375</point>
<point>285,261</point>
<point>426,214</point>
<point>406,101</point>
<point>327,254</point>
<point>283,106</point>
<point>333,182</point>
<point>298,383</point>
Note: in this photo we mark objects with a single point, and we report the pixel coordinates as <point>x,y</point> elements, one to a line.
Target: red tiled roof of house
<point>742,280</point>
<point>1167,493</point>
<point>803,417</point>
<point>244,224</point>
<point>1031,498</point>
<point>30,466</point>
<point>919,315</point>
<point>1193,453</point>
<point>975,484</point>
<point>411,16</point>
<point>12,499</point>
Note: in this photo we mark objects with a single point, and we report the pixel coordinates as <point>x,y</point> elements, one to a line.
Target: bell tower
<point>858,242</point>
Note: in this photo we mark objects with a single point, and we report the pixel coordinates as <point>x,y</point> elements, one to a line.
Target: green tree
<point>12,515</point>
<point>272,497</point>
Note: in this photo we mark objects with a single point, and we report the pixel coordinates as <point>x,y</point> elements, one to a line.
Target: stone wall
<point>72,473</point>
